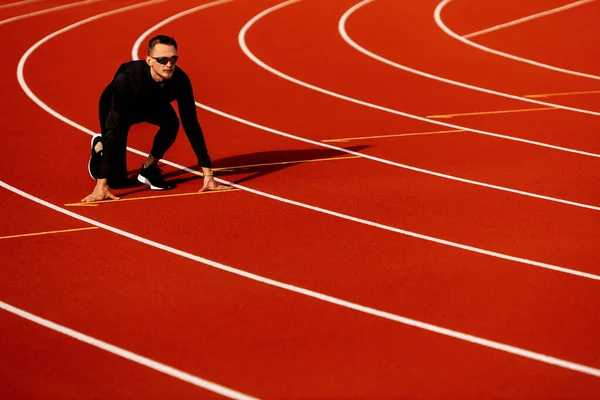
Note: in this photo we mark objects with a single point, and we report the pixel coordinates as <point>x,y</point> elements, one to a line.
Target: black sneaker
<point>95,157</point>
<point>153,177</point>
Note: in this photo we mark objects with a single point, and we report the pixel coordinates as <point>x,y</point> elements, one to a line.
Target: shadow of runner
<point>255,164</point>
<point>263,163</point>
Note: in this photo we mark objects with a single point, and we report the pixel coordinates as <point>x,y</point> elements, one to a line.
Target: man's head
<point>162,56</point>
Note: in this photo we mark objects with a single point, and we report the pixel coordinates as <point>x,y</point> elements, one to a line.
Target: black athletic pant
<point>115,128</point>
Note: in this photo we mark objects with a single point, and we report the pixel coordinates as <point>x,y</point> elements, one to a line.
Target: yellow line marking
<point>49,232</point>
<point>491,112</point>
<point>533,96</point>
<point>96,204</point>
<point>150,197</point>
<point>391,136</point>
<point>466,114</point>
<point>285,162</point>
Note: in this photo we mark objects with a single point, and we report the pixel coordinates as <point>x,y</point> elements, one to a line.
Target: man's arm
<point>191,126</point>
<point>189,121</point>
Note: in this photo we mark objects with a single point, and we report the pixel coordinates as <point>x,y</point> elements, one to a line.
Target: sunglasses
<point>165,60</point>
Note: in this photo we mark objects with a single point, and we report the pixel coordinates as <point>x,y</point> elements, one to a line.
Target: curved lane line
<point>47,10</point>
<point>126,354</point>
<point>343,32</point>
<point>17,3</point>
<point>45,107</point>
<point>438,20</point>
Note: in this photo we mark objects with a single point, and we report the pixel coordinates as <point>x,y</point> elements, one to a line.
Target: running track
<point>354,260</point>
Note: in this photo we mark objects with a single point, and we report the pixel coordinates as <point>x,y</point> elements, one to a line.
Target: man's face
<point>164,53</point>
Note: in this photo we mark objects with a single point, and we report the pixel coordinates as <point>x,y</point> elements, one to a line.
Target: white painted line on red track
<point>17,3</point>
<point>439,21</point>
<point>47,10</point>
<point>126,354</point>
<point>343,32</point>
<point>526,19</point>
<point>52,112</point>
<point>140,39</point>
<point>323,297</point>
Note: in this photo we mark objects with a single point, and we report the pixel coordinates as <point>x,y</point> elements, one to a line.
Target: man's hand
<point>101,192</point>
<point>209,182</point>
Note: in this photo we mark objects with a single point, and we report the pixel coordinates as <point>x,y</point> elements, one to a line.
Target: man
<point>141,91</point>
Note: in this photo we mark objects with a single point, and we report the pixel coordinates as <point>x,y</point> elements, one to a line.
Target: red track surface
<point>263,339</point>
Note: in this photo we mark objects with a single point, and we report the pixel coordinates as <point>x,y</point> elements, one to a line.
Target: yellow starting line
<point>96,204</point>
<point>49,232</point>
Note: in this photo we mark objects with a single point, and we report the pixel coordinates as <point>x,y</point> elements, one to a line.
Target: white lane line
<point>438,20</point>
<point>25,56</point>
<point>47,10</point>
<point>17,3</point>
<point>323,297</point>
<point>126,354</point>
<point>134,55</point>
<point>52,112</point>
<point>343,32</point>
<point>256,60</point>
<point>141,38</point>
<point>525,19</point>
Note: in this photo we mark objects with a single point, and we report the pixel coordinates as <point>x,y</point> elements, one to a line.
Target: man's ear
<point>148,58</point>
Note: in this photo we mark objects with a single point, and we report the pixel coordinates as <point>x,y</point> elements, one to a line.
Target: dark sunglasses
<point>165,60</point>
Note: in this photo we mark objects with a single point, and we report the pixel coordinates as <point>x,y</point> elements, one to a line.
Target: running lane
<point>16,11</point>
<point>337,339</point>
<point>412,191</point>
<point>472,17</point>
<point>566,39</point>
<point>41,364</point>
<point>390,29</point>
<point>509,223</point>
<point>308,57</point>
<point>177,226</point>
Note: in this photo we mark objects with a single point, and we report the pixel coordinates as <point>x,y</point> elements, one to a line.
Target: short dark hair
<point>161,39</point>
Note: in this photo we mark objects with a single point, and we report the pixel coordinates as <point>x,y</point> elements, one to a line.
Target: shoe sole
<point>145,181</point>
<point>90,160</point>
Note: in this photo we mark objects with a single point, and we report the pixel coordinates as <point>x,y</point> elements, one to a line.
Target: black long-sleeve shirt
<point>133,96</point>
